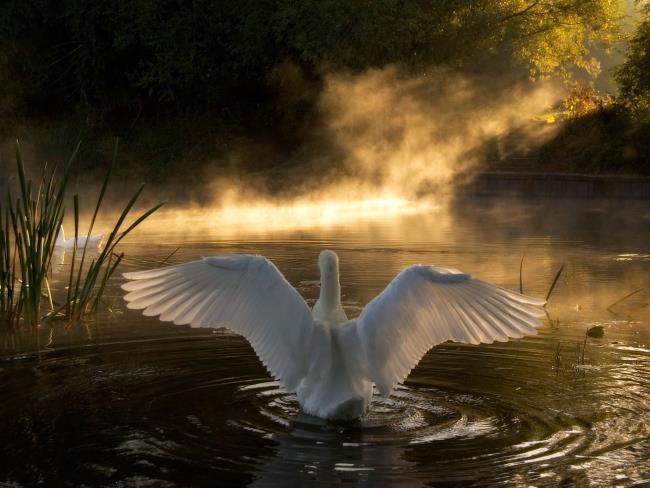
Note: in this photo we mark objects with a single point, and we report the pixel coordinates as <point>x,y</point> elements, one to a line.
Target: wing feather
<point>427,305</point>
<point>246,294</point>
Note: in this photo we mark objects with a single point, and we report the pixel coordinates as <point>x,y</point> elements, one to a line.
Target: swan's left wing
<point>427,305</point>
<point>246,294</point>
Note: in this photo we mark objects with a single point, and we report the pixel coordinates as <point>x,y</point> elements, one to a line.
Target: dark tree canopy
<point>634,75</point>
<point>110,53</point>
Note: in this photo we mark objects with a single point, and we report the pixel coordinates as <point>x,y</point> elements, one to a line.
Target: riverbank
<point>539,184</point>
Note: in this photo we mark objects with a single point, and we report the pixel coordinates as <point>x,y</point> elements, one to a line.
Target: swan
<point>88,241</point>
<point>329,361</point>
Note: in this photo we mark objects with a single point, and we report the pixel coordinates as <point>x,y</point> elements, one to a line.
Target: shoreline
<point>535,184</point>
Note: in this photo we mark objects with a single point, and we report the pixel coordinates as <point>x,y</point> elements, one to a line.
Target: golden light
<point>266,216</point>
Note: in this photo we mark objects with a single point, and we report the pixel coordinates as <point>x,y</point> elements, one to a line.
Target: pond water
<point>131,401</point>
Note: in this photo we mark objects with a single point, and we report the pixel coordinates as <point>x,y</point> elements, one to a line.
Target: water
<point>130,401</point>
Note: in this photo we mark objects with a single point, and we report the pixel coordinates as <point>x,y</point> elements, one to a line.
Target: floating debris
<point>587,367</point>
<point>597,331</point>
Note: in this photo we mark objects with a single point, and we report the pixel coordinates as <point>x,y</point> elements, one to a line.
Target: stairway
<point>515,152</point>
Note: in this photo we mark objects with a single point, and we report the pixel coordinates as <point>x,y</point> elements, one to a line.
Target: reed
<point>35,216</point>
<point>581,348</point>
<point>621,300</point>
<point>29,226</point>
<point>557,277</point>
<point>557,360</point>
<point>87,282</point>
<point>9,302</point>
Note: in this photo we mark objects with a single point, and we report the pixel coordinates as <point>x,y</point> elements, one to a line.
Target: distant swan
<point>329,361</point>
<point>63,243</point>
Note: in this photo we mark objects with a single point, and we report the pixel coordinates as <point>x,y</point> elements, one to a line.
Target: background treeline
<point>170,75</point>
<point>610,134</point>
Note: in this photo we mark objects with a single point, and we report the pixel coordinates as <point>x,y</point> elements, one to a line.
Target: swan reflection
<point>316,450</point>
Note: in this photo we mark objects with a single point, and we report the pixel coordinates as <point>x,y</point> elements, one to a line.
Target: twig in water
<point>558,358</point>
<point>581,348</point>
<point>624,298</point>
<point>551,321</point>
<point>168,257</point>
<point>557,277</point>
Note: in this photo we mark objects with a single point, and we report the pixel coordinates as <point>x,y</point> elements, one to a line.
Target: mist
<point>385,142</point>
<point>416,136</point>
<point>378,143</point>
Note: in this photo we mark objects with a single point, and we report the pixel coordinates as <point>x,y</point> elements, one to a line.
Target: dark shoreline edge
<point>519,184</point>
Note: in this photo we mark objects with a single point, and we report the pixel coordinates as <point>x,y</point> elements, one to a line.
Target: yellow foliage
<point>552,35</point>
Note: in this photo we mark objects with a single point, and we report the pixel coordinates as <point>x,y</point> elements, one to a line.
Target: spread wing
<point>246,294</point>
<point>427,305</point>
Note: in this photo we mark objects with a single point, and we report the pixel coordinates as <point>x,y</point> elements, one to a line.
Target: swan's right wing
<point>427,305</point>
<point>246,294</point>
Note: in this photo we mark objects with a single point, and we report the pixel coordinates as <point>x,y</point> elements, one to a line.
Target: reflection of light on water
<point>351,467</point>
<point>460,429</point>
<point>267,216</point>
<point>635,349</point>
<point>633,257</point>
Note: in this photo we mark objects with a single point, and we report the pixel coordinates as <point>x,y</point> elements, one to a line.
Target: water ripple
<point>183,411</point>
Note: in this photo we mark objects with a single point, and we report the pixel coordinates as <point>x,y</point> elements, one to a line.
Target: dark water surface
<point>130,401</point>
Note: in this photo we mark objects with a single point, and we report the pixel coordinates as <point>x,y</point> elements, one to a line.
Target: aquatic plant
<point>581,348</point>
<point>35,217</point>
<point>621,300</point>
<point>86,285</point>
<point>557,277</point>
<point>28,234</point>
<point>557,358</point>
<point>9,303</point>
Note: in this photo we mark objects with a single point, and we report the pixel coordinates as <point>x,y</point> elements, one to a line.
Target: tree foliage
<point>104,53</point>
<point>634,75</point>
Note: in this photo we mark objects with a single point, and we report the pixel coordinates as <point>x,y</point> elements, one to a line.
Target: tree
<point>215,54</point>
<point>634,75</point>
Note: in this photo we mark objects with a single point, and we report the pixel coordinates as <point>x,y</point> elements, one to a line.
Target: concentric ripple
<point>476,432</point>
<point>187,411</point>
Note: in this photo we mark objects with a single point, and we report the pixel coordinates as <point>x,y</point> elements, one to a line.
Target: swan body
<point>89,242</point>
<point>330,362</point>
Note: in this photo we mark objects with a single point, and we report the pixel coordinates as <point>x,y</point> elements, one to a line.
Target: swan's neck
<point>330,290</point>
<point>328,307</point>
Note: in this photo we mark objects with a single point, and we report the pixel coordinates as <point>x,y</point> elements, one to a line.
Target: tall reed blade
<point>557,277</point>
<point>89,284</point>
<point>29,226</point>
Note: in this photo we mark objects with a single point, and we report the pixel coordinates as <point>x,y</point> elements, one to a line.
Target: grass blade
<point>557,277</point>
<point>620,300</point>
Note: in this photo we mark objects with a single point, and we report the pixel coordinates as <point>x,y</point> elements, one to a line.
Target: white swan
<point>331,362</point>
<point>63,243</point>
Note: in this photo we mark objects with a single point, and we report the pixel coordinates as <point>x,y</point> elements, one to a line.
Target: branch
<point>521,12</point>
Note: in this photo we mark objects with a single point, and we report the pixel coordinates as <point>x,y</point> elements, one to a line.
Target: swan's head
<point>328,263</point>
